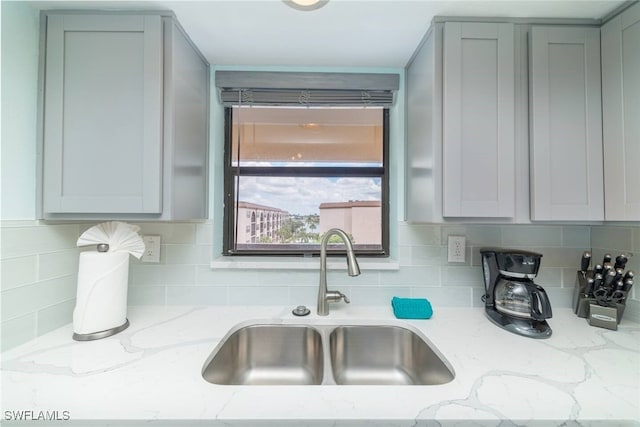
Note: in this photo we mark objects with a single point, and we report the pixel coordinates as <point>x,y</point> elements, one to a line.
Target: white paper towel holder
<point>102,247</point>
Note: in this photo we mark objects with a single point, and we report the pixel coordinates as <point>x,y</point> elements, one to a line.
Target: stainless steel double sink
<point>309,354</point>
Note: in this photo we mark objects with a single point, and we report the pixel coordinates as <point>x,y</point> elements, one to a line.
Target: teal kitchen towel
<point>411,308</point>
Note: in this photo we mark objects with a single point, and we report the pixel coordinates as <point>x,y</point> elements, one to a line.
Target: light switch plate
<point>152,249</point>
<point>456,248</point>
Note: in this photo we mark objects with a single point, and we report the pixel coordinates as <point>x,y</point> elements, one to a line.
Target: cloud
<point>303,195</point>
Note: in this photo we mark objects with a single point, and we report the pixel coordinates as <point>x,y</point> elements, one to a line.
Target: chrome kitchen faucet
<point>325,296</point>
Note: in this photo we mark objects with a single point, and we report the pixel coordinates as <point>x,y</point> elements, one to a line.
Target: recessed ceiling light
<point>306,5</point>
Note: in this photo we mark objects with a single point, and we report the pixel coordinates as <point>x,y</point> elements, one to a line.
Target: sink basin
<point>268,355</point>
<point>384,355</point>
<point>322,354</point>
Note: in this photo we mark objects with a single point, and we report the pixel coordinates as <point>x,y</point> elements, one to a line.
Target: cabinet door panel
<point>621,113</point>
<point>566,141</point>
<point>478,120</point>
<point>103,114</point>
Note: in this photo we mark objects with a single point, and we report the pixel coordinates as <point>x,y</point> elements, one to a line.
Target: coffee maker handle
<point>540,305</point>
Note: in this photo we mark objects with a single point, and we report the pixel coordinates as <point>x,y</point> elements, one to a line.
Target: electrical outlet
<point>456,248</point>
<point>152,249</point>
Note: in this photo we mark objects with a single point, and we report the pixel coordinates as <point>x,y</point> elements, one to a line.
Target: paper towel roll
<point>102,292</point>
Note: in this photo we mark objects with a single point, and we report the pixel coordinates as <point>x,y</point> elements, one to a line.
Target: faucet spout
<point>325,296</point>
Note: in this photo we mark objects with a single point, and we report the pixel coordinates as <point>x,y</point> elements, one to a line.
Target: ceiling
<point>344,33</point>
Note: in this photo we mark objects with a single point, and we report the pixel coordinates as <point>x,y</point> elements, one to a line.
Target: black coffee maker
<point>512,300</point>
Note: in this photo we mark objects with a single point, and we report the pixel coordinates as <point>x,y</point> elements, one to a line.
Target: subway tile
<point>632,311</point>
<point>30,298</point>
<point>159,274</point>
<point>549,277</point>
<point>404,255</point>
<point>55,316</point>
<point>146,295</point>
<point>612,237</point>
<point>205,254</point>
<point>56,264</point>
<point>221,277</point>
<point>303,295</point>
<point>178,274</point>
<point>19,271</point>
<point>170,233</point>
<point>597,254</point>
<point>576,236</point>
<point>449,296</point>
<point>452,230</point>
<point>484,235</point>
<point>18,331</point>
<point>462,276</point>
<point>636,240</point>
<point>428,255</point>
<point>145,274</point>
<point>419,234</point>
<point>531,236</point>
<point>341,278</point>
<point>196,295</point>
<point>477,295</point>
<point>558,257</point>
<point>569,276</point>
<point>411,276</point>
<point>559,298</point>
<point>370,295</point>
<point>634,262</point>
<point>181,254</point>
<point>204,233</point>
<point>22,241</point>
<point>290,278</point>
<point>258,295</point>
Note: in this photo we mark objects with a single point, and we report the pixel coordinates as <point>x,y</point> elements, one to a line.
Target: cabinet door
<point>478,120</point>
<point>103,114</point>
<point>186,98</point>
<point>566,124</point>
<point>621,115</point>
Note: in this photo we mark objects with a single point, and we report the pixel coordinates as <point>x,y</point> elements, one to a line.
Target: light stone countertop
<point>580,376</point>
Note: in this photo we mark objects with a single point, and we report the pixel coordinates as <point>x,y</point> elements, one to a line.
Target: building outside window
<point>296,172</point>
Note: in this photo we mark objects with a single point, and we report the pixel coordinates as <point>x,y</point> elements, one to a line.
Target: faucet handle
<point>345,298</point>
<point>336,296</point>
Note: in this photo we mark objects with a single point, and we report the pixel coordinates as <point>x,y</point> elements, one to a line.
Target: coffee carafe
<point>512,300</point>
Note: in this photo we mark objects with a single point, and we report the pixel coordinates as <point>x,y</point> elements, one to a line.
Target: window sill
<point>298,263</point>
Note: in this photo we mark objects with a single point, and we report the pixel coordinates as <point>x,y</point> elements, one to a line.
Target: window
<point>294,172</point>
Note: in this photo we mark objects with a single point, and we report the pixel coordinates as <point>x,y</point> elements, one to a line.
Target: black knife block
<point>582,302</point>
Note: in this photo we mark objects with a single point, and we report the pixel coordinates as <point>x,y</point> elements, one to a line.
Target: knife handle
<point>606,259</point>
<point>621,261</point>
<point>628,275</point>
<point>585,261</point>
<point>598,269</point>
<point>597,281</point>
<point>609,278</point>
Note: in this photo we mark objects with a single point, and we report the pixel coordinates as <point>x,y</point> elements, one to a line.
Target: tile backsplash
<point>39,270</point>
<point>185,276</point>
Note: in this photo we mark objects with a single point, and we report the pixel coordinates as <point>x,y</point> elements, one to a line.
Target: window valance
<point>312,89</point>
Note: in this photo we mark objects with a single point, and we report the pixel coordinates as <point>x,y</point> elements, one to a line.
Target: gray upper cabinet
<point>125,119</point>
<point>478,130</point>
<point>565,124</point>
<point>621,115</point>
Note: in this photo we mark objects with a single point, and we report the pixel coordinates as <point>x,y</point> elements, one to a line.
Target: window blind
<point>311,89</point>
